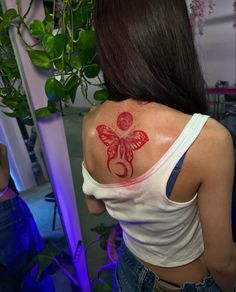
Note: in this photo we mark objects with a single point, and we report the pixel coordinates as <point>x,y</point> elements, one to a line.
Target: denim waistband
<point>135,265</point>
<point>8,204</point>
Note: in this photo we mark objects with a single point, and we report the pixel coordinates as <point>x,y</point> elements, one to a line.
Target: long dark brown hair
<point>146,51</point>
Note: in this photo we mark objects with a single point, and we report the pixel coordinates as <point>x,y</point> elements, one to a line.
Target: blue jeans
<point>20,241</point>
<point>132,276</point>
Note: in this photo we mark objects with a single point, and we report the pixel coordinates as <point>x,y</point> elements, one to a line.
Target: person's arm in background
<point>215,200</point>
<point>4,168</point>
<point>5,191</point>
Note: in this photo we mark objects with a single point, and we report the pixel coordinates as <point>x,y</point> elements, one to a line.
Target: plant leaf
<point>82,11</point>
<point>12,115</point>
<point>48,23</point>
<point>102,287</point>
<point>54,89</point>
<point>52,106</point>
<point>10,63</point>
<point>10,102</point>
<point>86,46</point>
<point>4,91</point>
<point>75,61</point>
<point>43,112</point>
<point>28,121</point>
<point>39,59</point>
<point>8,16</point>
<point>71,84</point>
<point>54,45</point>
<point>42,260</point>
<point>101,95</point>
<point>10,13</point>
<point>37,28</point>
<point>71,81</point>
<point>91,71</point>
<point>22,109</point>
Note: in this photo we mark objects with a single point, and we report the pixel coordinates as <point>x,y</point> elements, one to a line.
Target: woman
<point>152,158</point>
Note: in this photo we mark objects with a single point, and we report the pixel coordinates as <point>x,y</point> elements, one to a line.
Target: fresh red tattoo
<point>125,121</point>
<point>122,148</point>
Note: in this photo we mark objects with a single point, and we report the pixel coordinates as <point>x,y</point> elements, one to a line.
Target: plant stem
<point>93,84</point>
<point>22,39</point>
<point>84,91</point>
<point>22,22</point>
<point>28,10</point>
<point>72,30</point>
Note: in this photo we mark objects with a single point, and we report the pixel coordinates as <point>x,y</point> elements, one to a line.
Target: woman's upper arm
<point>95,207</point>
<point>215,200</point>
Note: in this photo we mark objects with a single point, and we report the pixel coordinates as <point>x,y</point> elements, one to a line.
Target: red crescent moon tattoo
<point>125,170</point>
<point>122,148</point>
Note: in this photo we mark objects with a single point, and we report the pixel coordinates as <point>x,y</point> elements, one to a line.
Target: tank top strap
<point>183,143</point>
<point>193,130</point>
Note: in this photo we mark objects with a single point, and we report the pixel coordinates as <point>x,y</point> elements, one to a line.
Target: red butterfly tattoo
<point>122,147</point>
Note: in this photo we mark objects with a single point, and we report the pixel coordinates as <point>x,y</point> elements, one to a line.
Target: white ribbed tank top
<point>155,229</point>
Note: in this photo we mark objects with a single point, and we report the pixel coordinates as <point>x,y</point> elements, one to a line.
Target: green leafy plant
<point>11,89</point>
<point>68,49</point>
<point>104,280</point>
<point>105,273</point>
<point>52,258</point>
<point>103,232</point>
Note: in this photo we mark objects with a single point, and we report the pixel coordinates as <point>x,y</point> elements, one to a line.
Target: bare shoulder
<point>212,148</point>
<point>215,149</point>
<point>217,129</point>
<point>90,119</point>
<point>216,136</point>
<point>92,113</point>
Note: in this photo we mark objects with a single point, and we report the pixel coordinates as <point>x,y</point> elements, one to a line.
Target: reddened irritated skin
<point>121,143</point>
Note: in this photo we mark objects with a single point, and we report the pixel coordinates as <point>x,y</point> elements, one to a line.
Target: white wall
<point>217,48</point>
<point>20,164</point>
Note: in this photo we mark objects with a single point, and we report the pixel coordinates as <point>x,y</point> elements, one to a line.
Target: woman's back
<point>148,58</point>
<point>157,128</point>
<point>161,125</point>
